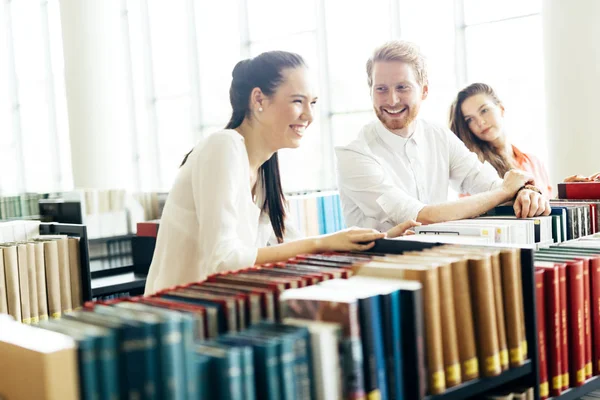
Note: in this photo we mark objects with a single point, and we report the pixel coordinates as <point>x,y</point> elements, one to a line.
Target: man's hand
<point>530,204</point>
<point>515,180</point>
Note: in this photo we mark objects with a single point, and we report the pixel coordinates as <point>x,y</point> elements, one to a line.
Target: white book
<point>325,340</point>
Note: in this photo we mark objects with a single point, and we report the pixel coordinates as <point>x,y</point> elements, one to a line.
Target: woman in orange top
<point>477,118</point>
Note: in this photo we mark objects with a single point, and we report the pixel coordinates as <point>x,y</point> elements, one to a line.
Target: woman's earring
<point>260,109</point>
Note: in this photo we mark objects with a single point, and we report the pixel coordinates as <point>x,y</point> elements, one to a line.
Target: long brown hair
<point>484,150</point>
<point>265,72</point>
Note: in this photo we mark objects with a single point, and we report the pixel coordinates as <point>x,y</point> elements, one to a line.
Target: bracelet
<point>529,187</point>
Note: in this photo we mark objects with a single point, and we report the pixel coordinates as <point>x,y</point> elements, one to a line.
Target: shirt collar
<point>394,141</point>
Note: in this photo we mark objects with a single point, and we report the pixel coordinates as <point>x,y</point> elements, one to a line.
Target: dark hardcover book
<point>258,299</point>
<point>240,299</point>
<point>198,313</point>
<point>225,370</point>
<point>322,304</point>
<point>266,363</point>
<point>175,340</point>
<point>143,358</point>
<point>302,352</point>
<point>128,333</point>
<point>106,351</point>
<point>579,190</point>
<point>89,385</point>
<point>217,308</point>
<point>269,291</point>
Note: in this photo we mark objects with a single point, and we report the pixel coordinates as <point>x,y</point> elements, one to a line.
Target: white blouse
<point>210,223</point>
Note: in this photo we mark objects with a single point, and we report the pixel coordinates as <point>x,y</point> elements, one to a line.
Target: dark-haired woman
<point>477,118</point>
<point>227,204</point>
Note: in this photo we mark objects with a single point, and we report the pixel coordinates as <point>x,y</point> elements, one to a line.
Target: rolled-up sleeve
<point>217,180</point>
<point>467,173</point>
<point>374,201</point>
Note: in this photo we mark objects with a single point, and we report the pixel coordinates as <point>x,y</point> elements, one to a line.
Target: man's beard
<point>397,123</point>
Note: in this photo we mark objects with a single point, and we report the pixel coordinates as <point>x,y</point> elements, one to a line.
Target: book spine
<point>449,336</point>
<point>248,373</point>
<point>499,306</point>
<point>587,319</point>
<point>230,376</point>
<point>287,361</point>
<point>480,274</point>
<point>541,334</point>
<point>171,367</point>
<point>595,310</point>
<point>433,331</point>
<point>32,280</point>
<point>11,270</point>
<point>564,326</point>
<point>413,344</point>
<point>23,283</point>
<point>371,334</point>
<point>576,323</point>
<point>393,344</point>
<point>553,331</point>
<point>108,366</point>
<point>464,321</point>
<point>512,307</point>
<point>52,278</point>
<point>64,273</point>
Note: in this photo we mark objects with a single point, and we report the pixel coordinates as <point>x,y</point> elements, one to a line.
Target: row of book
<point>568,295</point>
<point>110,253</point>
<point>569,219</point>
<point>40,275</point>
<point>374,326</point>
<point>316,213</point>
<point>19,206</point>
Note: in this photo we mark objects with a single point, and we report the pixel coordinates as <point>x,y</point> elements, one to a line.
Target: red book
<point>562,273</point>
<point>541,328</point>
<point>576,322</point>
<point>587,318</point>
<point>552,325</point>
<point>579,190</point>
<point>595,309</point>
<point>148,228</point>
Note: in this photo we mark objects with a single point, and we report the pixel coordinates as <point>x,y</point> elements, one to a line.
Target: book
<point>541,334</point>
<point>579,190</point>
<point>321,304</point>
<point>325,339</point>
<point>37,363</point>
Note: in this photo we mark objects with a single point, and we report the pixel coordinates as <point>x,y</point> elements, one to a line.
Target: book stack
<point>40,275</point>
<point>316,213</point>
<point>500,229</point>
<point>20,206</point>
<point>568,294</point>
<point>318,326</point>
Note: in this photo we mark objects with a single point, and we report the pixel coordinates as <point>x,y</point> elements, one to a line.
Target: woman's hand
<point>580,178</point>
<point>402,229</point>
<point>351,239</point>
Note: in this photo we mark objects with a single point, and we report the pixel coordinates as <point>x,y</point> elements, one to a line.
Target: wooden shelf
<point>482,385</point>
<point>574,393</point>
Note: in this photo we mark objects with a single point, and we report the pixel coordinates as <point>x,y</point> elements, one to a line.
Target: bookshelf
<point>575,393</point>
<point>526,375</point>
<point>479,386</point>
<point>80,231</point>
<point>117,280</point>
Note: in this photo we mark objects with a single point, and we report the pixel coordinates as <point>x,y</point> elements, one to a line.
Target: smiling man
<point>400,167</point>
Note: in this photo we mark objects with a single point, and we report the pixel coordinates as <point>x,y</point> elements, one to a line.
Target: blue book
<point>303,366</point>
<point>89,386</point>
<point>124,331</point>
<point>266,363</point>
<point>321,214</point>
<point>141,352</point>
<point>287,360</point>
<point>247,358</point>
<point>175,331</point>
<point>225,369</point>
<point>202,370</point>
<point>106,350</point>
<point>371,331</point>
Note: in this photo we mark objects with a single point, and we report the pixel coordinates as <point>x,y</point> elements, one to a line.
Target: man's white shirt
<point>385,179</point>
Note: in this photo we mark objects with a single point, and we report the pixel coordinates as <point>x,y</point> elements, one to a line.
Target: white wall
<point>572,70</point>
<point>101,143</point>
